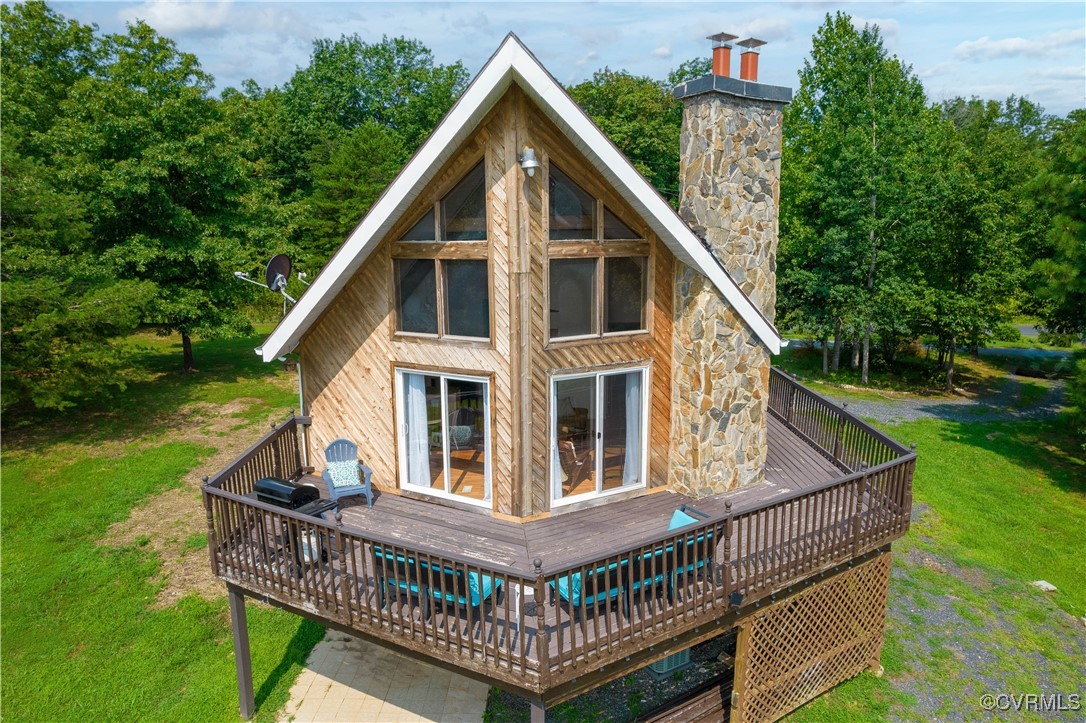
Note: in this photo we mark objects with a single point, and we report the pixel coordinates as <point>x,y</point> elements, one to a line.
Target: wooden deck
<point>835,491</point>
<point>563,539</point>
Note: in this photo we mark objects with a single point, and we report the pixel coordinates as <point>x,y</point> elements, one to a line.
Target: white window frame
<point>556,499</point>
<point>401,436</point>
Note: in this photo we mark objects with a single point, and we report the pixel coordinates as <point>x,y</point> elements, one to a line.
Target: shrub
<point>1005,332</point>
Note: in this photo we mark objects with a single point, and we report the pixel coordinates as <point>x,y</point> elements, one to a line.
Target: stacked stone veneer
<point>730,170</point>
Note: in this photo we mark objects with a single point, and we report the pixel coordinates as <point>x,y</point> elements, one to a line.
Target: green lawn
<point>82,638</point>
<point>1003,504</point>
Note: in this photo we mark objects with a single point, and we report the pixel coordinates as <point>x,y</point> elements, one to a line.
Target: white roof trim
<point>511,63</point>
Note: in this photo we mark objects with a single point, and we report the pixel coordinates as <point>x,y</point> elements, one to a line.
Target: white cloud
<point>587,58</point>
<point>934,71</point>
<point>769,29</point>
<point>1069,73</point>
<point>888,27</point>
<point>985,48</point>
<point>182,18</point>
<point>662,51</point>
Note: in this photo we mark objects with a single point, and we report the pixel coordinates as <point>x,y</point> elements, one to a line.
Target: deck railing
<point>596,611</point>
<point>433,601</point>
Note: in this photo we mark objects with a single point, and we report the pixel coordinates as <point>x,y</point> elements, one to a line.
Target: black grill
<point>288,495</point>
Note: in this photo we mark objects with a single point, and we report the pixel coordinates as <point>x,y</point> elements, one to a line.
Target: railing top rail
<point>885,439</point>
<point>369,535</point>
<point>738,511</point>
<point>217,479</point>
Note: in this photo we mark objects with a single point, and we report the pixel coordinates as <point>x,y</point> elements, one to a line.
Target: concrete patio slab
<point>348,679</point>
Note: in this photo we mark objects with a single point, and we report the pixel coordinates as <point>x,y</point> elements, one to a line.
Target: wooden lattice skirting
<point>800,647</point>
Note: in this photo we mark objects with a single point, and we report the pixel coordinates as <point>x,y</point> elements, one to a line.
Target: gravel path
<point>963,632</point>
<point>1001,406</point>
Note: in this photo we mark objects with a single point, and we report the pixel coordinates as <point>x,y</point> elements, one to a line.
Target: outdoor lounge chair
<point>345,474</point>
<point>664,565</point>
<point>430,583</point>
<point>594,589</point>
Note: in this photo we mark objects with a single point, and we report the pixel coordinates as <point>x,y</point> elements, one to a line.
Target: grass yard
<point>85,634</point>
<point>1000,505</point>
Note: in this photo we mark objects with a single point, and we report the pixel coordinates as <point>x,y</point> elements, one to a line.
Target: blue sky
<point>987,49</point>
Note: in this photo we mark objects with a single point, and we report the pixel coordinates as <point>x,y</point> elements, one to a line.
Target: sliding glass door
<point>598,434</point>
<point>444,435</point>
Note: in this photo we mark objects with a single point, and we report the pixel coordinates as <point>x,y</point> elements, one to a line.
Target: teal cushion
<point>573,597</point>
<point>344,474</point>
<point>680,519</point>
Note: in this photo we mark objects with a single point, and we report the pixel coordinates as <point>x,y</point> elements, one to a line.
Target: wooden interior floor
<point>566,537</point>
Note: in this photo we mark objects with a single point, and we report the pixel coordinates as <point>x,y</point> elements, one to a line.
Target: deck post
<point>539,711</point>
<point>241,651</point>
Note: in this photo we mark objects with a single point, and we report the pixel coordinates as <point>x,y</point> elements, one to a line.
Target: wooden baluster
<point>542,645</point>
<point>859,486</point>
<point>211,543</point>
<point>345,586</point>
<point>729,529</point>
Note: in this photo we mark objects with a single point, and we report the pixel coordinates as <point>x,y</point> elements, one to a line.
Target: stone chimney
<point>729,190</point>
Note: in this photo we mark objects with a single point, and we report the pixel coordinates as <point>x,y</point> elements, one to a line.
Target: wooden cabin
<point>541,362</point>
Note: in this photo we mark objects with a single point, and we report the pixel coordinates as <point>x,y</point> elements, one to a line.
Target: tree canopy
<point>131,193</point>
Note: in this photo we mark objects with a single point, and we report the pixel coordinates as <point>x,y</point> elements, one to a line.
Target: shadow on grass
<point>298,649</point>
<point>227,369</point>
<point>1044,446</point>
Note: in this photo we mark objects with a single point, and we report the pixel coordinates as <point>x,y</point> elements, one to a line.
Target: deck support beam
<point>241,651</point>
<point>539,711</point>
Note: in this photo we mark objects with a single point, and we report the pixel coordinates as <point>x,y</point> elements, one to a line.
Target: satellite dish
<point>277,273</point>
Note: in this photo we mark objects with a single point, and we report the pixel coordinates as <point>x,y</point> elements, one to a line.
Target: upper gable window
<point>597,266</point>
<point>573,211</point>
<point>441,277</point>
<point>462,213</point>
<point>575,214</point>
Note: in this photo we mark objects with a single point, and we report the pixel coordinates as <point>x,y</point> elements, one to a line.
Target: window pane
<point>575,435</point>
<point>423,230</point>
<point>416,290</point>
<point>623,429</point>
<point>614,229</point>
<point>573,297</point>
<point>467,308</point>
<point>573,211</point>
<point>463,210</point>
<point>422,420</point>
<point>623,293</point>
<point>465,431</point>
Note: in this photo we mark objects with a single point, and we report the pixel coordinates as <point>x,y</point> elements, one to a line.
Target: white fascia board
<point>473,105</point>
<point>638,192</point>
<point>511,61</point>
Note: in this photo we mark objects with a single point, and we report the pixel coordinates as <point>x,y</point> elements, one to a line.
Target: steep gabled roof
<point>512,63</point>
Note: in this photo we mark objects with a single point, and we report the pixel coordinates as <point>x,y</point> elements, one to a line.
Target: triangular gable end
<point>511,63</point>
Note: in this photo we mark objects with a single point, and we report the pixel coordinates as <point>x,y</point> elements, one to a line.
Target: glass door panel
<point>575,436</point>
<point>422,431</point>
<point>465,437</point>
<point>622,437</point>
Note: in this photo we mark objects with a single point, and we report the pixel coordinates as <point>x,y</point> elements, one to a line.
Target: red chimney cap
<point>751,43</point>
<point>721,38</point>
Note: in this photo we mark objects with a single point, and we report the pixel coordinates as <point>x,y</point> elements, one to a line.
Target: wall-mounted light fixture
<point>528,160</point>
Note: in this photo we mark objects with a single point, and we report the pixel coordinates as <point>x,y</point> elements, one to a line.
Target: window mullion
<point>599,433</point>
<point>442,298</point>
<point>444,387</point>
<point>600,290</point>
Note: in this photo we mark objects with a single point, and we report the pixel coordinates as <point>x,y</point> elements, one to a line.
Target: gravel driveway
<point>1001,406</point>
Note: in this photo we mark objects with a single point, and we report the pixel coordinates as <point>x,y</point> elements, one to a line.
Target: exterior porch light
<point>528,160</point>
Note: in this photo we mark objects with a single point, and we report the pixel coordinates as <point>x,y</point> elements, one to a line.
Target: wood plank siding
<point>349,354</point>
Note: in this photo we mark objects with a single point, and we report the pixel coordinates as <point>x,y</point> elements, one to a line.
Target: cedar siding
<point>349,354</point>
